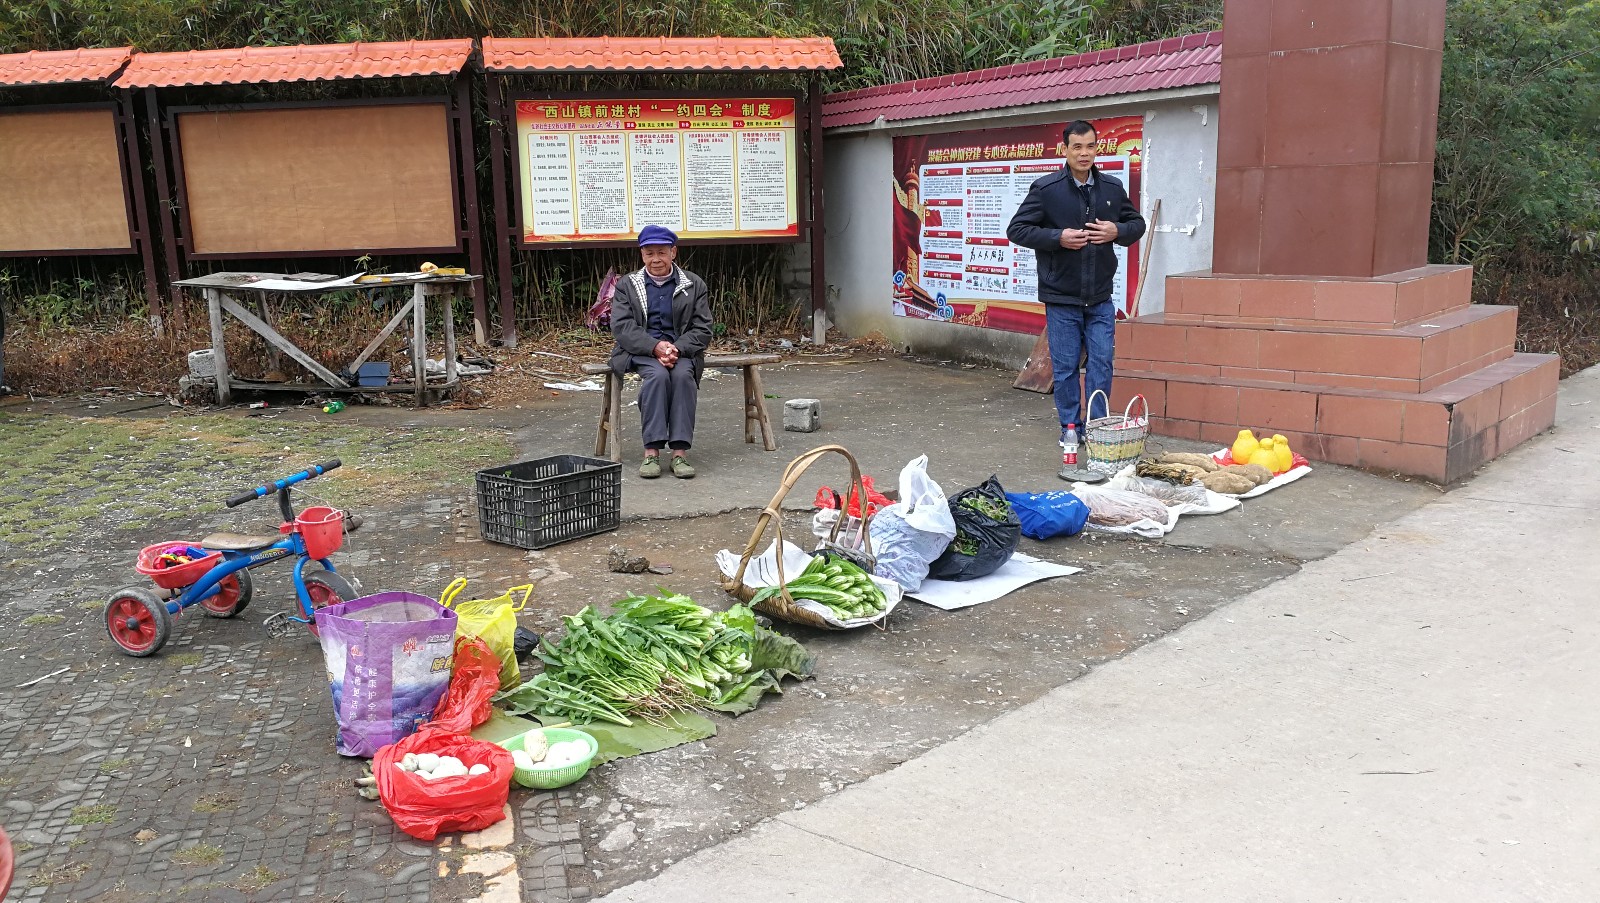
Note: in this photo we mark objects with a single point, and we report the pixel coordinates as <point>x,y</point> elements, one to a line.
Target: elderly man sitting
<point>661,320</point>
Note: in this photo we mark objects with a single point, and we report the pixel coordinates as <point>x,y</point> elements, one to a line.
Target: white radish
<point>479,768</point>
<point>521,759</point>
<point>427,761</point>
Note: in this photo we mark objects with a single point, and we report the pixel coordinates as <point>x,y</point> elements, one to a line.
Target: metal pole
<point>469,190</point>
<point>141,207</point>
<point>165,203</point>
<point>503,244</point>
<point>819,284</point>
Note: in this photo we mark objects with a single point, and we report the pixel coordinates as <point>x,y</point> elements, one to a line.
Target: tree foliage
<point>1519,122</point>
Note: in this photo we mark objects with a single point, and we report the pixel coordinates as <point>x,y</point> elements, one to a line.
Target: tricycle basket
<point>171,575</point>
<point>539,503</point>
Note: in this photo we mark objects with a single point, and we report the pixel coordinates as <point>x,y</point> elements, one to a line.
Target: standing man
<point>661,319</point>
<point>1070,219</point>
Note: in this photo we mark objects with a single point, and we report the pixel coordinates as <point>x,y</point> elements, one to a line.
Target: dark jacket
<point>1054,203</point>
<point>630,320</point>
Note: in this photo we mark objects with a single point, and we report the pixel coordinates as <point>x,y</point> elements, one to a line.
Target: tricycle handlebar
<point>315,470</point>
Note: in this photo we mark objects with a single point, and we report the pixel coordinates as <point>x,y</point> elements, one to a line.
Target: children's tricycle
<point>215,572</point>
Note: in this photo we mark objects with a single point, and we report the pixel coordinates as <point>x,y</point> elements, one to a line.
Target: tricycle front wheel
<point>326,588</point>
<point>138,621</point>
<point>232,595</point>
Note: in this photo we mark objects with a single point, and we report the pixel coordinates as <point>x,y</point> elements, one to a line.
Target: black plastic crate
<point>535,504</point>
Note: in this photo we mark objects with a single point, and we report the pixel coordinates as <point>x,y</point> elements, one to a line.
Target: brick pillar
<point>1326,136</point>
<point>1321,318</point>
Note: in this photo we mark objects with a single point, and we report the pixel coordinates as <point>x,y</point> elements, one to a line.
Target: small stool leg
<point>760,399</point>
<point>602,431</point>
<point>615,382</point>
<point>749,405</point>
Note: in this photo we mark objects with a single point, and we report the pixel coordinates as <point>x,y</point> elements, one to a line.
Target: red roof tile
<point>61,67</point>
<point>303,63</point>
<point>1172,63</point>
<point>658,54</point>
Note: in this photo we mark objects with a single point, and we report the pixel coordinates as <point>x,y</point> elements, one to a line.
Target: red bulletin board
<point>955,193</point>
<point>602,168</point>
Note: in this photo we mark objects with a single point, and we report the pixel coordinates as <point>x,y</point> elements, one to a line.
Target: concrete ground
<point>1411,718</point>
<point>208,773</point>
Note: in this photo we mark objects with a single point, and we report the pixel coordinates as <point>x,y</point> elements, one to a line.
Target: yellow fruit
<point>427,268</point>
<point>1244,447</point>
<point>1265,456</point>
<point>1280,447</point>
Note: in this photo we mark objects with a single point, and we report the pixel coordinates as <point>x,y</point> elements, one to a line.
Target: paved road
<point>1412,718</point>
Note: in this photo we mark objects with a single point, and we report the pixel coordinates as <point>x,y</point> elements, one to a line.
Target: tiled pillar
<point>1326,136</point>
<point>1320,318</point>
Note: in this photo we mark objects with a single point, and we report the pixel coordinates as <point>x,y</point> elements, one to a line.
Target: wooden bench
<point>606,438</point>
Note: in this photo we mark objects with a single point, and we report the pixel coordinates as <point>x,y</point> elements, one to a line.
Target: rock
<point>621,562</point>
<point>620,838</point>
<point>802,415</point>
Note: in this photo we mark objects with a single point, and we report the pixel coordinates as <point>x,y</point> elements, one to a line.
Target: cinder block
<point>802,415</point>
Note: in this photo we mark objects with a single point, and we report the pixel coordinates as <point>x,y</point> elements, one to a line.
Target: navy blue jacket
<point>1054,203</point>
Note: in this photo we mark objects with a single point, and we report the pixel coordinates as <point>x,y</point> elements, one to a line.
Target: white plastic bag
<point>908,535</point>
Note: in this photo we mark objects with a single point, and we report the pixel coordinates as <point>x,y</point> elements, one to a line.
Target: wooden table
<point>608,435</point>
<point>223,290</point>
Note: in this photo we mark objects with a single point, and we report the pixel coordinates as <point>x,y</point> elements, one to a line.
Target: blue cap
<point>656,235</point>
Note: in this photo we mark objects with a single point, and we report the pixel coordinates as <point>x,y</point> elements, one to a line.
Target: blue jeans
<point>1070,328</point>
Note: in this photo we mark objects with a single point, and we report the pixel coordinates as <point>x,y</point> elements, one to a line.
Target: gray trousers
<point>667,401</point>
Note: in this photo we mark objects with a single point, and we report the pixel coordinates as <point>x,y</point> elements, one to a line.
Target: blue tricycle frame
<point>139,620</point>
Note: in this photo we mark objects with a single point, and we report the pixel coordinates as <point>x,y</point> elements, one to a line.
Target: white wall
<point>1180,168</point>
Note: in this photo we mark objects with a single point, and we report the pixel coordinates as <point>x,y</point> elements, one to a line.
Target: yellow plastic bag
<point>492,620</point>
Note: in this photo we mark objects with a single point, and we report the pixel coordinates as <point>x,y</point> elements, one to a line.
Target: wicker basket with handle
<point>1114,441</point>
<point>783,606</point>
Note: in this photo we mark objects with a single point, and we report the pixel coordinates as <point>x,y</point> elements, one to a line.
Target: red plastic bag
<point>426,809</point>
<point>599,316</point>
<point>876,501</point>
<point>474,678</point>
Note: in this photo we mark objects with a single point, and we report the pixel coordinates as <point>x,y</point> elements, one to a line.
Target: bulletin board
<point>64,191</point>
<point>327,178</point>
<point>710,168</point>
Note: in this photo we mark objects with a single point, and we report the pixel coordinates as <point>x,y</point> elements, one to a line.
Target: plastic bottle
<point>333,407</point>
<point>1244,447</point>
<point>1069,447</point>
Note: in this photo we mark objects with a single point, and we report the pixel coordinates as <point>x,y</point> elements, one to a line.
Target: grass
<point>93,815</point>
<point>215,802</point>
<point>257,879</point>
<point>186,659</point>
<point>65,873</point>
<point>66,476</point>
<point>41,620</point>
<point>200,854</point>
<point>112,766</point>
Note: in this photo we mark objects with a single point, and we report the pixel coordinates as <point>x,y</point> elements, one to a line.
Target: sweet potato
<point>1255,473</point>
<point>1204,462</point>
<point>1227,482</point>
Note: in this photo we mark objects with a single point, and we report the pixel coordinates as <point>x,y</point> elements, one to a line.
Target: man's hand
<point>1101,232</point>
<point>1074,239</point>
<point>666,353</point>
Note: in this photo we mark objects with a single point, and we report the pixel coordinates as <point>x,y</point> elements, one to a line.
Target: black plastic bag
<point>984,541</point>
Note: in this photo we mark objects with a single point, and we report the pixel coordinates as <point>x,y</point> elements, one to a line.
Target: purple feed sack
<point>388,658</point>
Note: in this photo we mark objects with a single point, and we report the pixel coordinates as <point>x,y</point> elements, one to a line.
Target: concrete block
<point>802,415</point>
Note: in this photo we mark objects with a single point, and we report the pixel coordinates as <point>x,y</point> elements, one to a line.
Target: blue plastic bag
<point>1046,515</point>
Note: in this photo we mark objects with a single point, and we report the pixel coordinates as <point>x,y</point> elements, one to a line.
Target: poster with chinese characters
<point>955,193</point>
<point>602,169</point>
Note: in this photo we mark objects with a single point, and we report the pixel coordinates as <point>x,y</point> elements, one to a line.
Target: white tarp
<point>1016,573</point>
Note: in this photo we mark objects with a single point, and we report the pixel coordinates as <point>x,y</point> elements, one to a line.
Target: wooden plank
<point>1144,258</point>
<point>1037,375</point>
<point>450,372</point>
<point>271,335</point>
<point>419,343</point>
<point>616,419</point>
<point>219,346</point>
<point>603,429</point>
<point>383,335</point>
